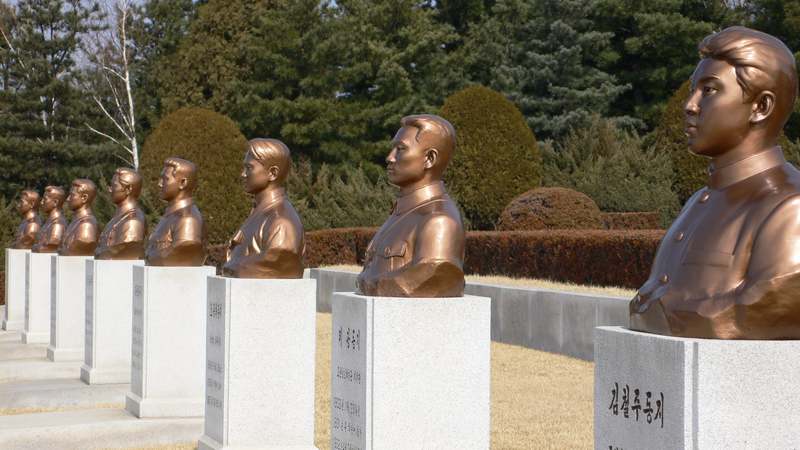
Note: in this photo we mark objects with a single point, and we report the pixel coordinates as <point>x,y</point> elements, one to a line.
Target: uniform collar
<point>82,213</point>
<point>722,177</point>
<point>55,215</point>
<point>417,197</point>
<point>270,198</point>
<point>180,204</point>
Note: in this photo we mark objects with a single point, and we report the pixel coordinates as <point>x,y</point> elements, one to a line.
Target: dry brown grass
<point>525,282</point>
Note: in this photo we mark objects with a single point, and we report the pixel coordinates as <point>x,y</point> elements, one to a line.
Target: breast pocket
<point>704,257</point>
<point>395,255</point>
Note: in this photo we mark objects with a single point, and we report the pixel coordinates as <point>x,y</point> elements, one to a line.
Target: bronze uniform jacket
<point>52,232</point>
<point>84,225</point>
<point>728,266</point>
<point>419,250</point>
<point>270,242</point>
<point>128,227</point>
<point>181,221</point>
<point>29,228</point>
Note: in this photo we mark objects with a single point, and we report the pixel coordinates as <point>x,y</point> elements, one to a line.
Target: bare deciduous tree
<point>110,52</point>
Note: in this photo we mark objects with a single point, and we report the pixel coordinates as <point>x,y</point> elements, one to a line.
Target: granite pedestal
<point>660,392</point>
<point>14,316</point>
<point>169,334</point>
<point>109,297</point>
<point>68,308</point>
<point>37,298</point>
<point>260,350</point>
<point>410,373</point>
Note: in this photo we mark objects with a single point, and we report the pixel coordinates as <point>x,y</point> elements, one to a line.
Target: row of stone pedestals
<point>405,372</point>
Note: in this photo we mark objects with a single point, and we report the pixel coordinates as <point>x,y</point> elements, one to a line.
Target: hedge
<point>599,257</point>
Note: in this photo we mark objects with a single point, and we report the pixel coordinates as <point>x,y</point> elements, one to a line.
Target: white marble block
<point>659,392</point>
<point>169,333</point>
<point>68,308</point>
<point>37,298</point>
<point>409,373</point>
<point>14,317</point>
<point>260,351</point>
<point>109,293</point>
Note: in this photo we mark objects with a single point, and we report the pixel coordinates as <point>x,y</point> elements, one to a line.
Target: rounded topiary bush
<point>550,208</point>
<point>214,143</point>
<point>497,156</point>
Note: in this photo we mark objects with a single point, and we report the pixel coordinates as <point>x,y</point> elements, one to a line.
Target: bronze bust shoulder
<point>123,235</point>
<point>52,232</point>
<point>80,237</point>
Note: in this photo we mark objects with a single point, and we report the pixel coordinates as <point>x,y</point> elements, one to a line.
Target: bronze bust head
<point>729,265</point>
<point>270,242</point>
<point>179,239</point>
<point>80,237</point>
<point>27,207</point>
<point>52,232</point>
<point>123,236</point>
<point>419,250</point>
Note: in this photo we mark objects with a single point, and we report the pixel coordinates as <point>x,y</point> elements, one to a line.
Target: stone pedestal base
<point>169,335</point>
<point>109,299</point>
<point>410,373</point>
<point>68,308</point>
<point>659,392</point>
<point>14,315</point>
<point>37,299</point>
<point>260,351</point>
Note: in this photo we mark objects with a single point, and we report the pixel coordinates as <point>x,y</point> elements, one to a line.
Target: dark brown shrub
<point>630,220</point>
<point>550,208</point>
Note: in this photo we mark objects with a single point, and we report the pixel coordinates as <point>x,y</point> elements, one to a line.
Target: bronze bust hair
<point>270,243</point>
<point>729,265</point>
<point>52,232</point>
<point>419,250</point>
<point>123,236</point>
<point>27,207</point>
<point>179,239</point>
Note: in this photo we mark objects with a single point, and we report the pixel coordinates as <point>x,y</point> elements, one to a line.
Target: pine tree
<point>42,134</point>
<point>546,56</point>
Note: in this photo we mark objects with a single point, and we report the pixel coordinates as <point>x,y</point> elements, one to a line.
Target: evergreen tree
<point>42,134</point>
<point>654,47</point>
<point>546,56</point>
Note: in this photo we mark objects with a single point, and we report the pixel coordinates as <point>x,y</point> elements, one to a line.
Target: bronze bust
<point>52,232</point>
<point>123,236</point>
<point>729,266</point>
<point>270,242</point>
<point>27,206</point>
<point>179,239</point>
<point>80,238</point>
<point>419,250</point>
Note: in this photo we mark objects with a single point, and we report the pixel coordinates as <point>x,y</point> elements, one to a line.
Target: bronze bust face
<point>123,236</point>
<point>80,238</point>
<point>179,239</point>
<point>729,266</point>
<point>419,250</point>
<point>27,207</point>
<point>270,242</point>
<point>52,232</point>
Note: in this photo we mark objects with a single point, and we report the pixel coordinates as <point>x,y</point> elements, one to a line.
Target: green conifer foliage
<point>497,156</point>
<point>215,144</point>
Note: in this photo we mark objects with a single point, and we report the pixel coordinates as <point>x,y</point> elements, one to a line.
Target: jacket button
<point>664,279</point>
<point>704,197</point>
<point>679,237</point>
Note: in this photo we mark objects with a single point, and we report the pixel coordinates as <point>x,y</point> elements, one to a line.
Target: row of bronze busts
<point>268,245</point>
<point>418,252</point>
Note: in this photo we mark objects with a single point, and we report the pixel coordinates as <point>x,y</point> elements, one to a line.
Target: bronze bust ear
<point>52,232</point>
<point>270,242</point>
<point>80,237</point>
<point>123,236</point>
<point>179,239</point>
<point>419,250</point>
<point>28,207</point>
<point>729,266</point>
